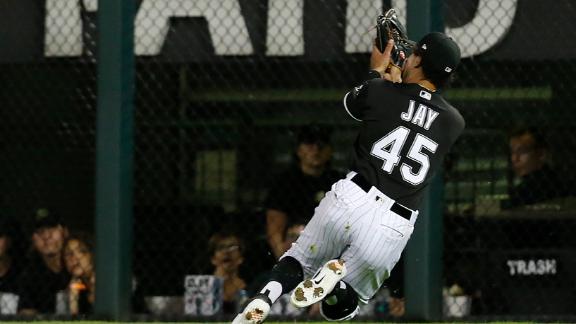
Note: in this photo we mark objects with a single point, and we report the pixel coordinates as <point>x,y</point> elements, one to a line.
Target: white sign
<point>203,295</point>
<point>532,267</point>
<point>8,303</point>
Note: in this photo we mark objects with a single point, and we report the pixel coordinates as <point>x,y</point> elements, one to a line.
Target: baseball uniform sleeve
<point>355,101</point>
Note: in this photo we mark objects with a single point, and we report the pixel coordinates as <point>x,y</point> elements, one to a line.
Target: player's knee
<point>288,272</point>
<point>341,304</point>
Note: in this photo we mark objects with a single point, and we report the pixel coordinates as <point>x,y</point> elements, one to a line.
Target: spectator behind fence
<point>79,257</point>
<point>44,276</point>
<point>79,262</point>
<point>535,179</point>
<point>227,250</point>
<point>12,258</point>
<point>295,193</point>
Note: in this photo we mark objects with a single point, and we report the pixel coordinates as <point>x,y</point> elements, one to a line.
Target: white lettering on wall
<point>360,19</point>
<point>285,33</point>
<point>360,22</point>
<point>225,23</point>
<point>63,28</point>
<point>90,5</point>
<point>489,26</point>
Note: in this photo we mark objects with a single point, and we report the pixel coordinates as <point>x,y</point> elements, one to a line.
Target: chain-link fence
<point>508,248</point>
<point>222,91</point>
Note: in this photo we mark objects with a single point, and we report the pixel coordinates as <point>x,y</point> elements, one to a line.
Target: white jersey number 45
<point>388,149</point>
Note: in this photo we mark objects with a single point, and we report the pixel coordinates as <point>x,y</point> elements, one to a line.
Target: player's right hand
<point>381,62</point>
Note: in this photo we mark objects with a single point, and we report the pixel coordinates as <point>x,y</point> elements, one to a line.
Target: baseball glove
<point>388,26</point>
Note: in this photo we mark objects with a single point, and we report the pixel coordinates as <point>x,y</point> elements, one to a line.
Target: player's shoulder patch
<point>361,90</point>
<point>357,90</point>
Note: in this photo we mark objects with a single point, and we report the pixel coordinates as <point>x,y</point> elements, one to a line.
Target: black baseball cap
<point>314,133</point>
<point>440,53</point>
<point>45,218</point>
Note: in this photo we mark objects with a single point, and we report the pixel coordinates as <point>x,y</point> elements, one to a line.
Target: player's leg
<point>323,239</point>
<point>255,311</point>
<point>375,250</point>
<point>329,232</point>
<point>313,290</point>
<point>284,277</point>
<point>328,236</point>
<point>307,253</point>
<point>341,304</point>
<point>370,258</point>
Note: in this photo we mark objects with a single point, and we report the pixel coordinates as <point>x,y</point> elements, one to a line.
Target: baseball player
<point>362,225</point>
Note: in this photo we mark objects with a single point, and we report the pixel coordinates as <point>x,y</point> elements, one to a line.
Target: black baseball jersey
<point>406,131</point>
<point>297,194</point>
<point>39,286</point>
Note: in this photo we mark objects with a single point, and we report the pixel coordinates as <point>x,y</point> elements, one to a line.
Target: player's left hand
<point>381,62</point>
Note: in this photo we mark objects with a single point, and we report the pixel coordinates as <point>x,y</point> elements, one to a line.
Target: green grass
<point>271,322</point>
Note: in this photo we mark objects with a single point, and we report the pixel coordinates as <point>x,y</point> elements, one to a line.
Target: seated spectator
<point>227,250</point>
<point>11,262</point>
<point>44,276</point>
<point>296,192</point>
<point>536,180</point>
<point>79,262</point>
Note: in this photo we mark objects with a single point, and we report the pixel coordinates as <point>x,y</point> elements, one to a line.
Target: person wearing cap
<point>360,228</point>
<point>45,275</point>
<point>295,193</point>
<point>431,64</point>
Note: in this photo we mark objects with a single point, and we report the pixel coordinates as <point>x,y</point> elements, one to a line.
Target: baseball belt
<point>396,208</point>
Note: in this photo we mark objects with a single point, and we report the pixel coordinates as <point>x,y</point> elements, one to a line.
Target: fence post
<point>423,259</point>
<point>114,152</point>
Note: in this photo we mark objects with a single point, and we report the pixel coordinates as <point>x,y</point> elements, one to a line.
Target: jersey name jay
<point>422,116</point>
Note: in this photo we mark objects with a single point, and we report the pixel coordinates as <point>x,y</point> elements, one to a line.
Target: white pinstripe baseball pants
<point>356,226</point>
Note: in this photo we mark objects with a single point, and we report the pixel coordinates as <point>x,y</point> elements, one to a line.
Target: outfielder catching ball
<point>360,228</point>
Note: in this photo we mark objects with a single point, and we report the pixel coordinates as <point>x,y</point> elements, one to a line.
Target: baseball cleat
<point>345,318</point>
<point>314,290</point>
<point>255,312</point>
